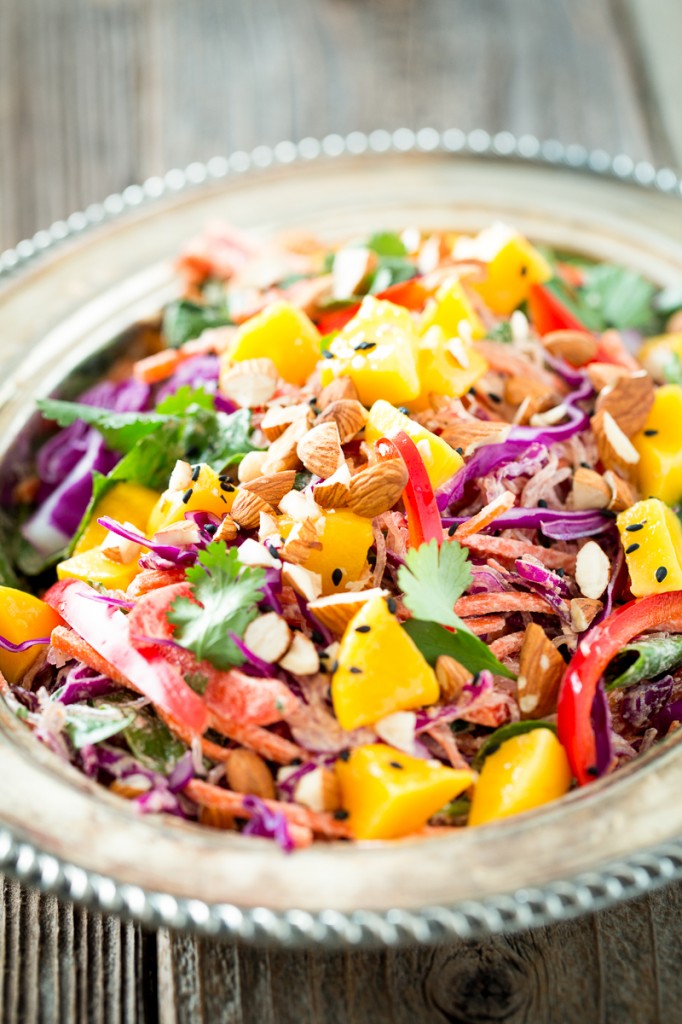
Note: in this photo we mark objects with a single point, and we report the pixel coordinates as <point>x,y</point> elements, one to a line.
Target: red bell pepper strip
<point>107,631</point>
<point>423,515</point>
<point>595,651</point>
<point>548,313</point>
<point>410,294</point>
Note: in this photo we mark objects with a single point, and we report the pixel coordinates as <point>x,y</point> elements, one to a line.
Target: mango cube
<point>449,309</point>
<point>125,502</point>
<point>346,539</point>
<point>513,265</point>
<point>283,333</point>
<point>526,771</point>
<point>441,461</point>
<point>377,349</point>
<point>23,617</point>
<point>447,366</point>
<point>95,567</point>
<point>659,469</point>
<point>206,494</point>
<point>389,794</point>
<point>651,535</point>
<point>380,669</point>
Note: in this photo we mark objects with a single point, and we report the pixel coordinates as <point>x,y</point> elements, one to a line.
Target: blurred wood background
<point>98,94</point>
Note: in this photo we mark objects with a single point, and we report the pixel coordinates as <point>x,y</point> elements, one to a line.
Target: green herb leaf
<point>433,640</point>
<point>184,400</point>
<point>672,371</point>
<point>152,743</point>
<point>506,732</point>
<point>85,724</point>
<point>228,593</point>
<point>620,297</point>
<point>386,243</point>
<point>644,660</point>
<point>501,332</point>
<point>184,320</point>
<point>432,579</point>
<point>458,808</point>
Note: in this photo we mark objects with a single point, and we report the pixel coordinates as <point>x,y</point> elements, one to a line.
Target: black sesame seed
<point>631,549</point>
<point>337,576</point>
<point>593,771</point>
<point>272,549</point>
<point>341,815</point>
<point>362,629</point>
<point>460,451</point>
<point>542,503</point>
<point>661,573</point>
<point>452,531</point>
<point>392,605</point>
<point>334,666</point>
<point>560,572</point>
<point>494,398</point>
<point>650,433</point>
<point>523,271</point>
<point>317,637</point>
<point>225,486</point>
<point>327,354</point>
<point>472,391</point>
<point>397,764</point>
<point>344,755</point>
<point>223,498</point>
<point>586,465</point>
<point>195,473</point>
<point>364,346</point>
<point>608,513</point>
<point>312,401</point>
<point>324,655</point>
<point>211,528</point>
<point>634,527</point>
<point>296,761</point>
<point>355,670</point>
<point>186,496</point>
<point>404,410</point>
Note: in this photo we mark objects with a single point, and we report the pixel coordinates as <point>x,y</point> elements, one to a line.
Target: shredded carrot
<point>505,601</point>
<point>503,547</point>
<point>160,366</point>
<point>505,646</point>
<point>268,744</point>
<point>484,624</point>
<point>486,516</point>
<point>502,360</point>
<point>318,821</point>
<point>153,579</point>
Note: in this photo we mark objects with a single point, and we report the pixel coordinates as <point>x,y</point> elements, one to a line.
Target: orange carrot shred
<point>505,601</point>
<point>480,625</point>
<point>504,547</point>
<point>155,368</point>
<point>505,646</point>
<point>486,516</point>
<point>269,745</point>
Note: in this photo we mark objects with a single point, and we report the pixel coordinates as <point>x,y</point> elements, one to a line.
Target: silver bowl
<point>67,298</point>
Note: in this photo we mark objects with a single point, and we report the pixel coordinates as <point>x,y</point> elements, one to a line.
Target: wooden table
<point>97,94</point>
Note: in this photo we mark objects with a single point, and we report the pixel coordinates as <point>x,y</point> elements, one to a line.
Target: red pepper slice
<point>595,651</point>
<point>423,515</point>
<point>548,313</point>
<point>106,629</point>
<point>410,294</point>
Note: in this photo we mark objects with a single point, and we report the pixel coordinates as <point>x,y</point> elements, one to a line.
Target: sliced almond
<point>583,610</point>
<point>629,401</point>
<point>282,452</point>
<point>178,534</point>
<point>250,383</point>
<point>604,374</point>
<point>247,772</point>
<point>622,495</point>
<point>279,417</point>
<point>320,449</point>
<point>333,492</point>
<point>541,669</point>
<point>592,570</point>
<point>351,266</point>
<point>181,477</point>
<point>304,582</point>
<point>300,543</point>
<point>337,389</point>
<point>252,552</point>
<point>517,389</point>
<point>251,466</point>
<point>452,678</point>
<point>247,507</point>
<point>590,490</point>
<point>268,636</point>
<point>267,526</point>
<point>302,658</point>
<point>336,610</point>
<point>227,530</point>
<point>398,729</point>
<point>319,790</point>
<point>299,506</point>
<point>273,487</point>
<point>350,417</point>
<point>550,417</point>
<point>120,549</point>
<point>576,347</point>
<point>471,434</point>
<point>377,489</point>
<point>616,450</point>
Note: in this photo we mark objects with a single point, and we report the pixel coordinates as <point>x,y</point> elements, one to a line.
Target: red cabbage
<point>196,372</point>
<point>601,724</point>
<point>266,668</point>
<point>266,823</point>
<point>313,621</point>
<point>644,702</point>
<point>670,713</point>
<point>83,683</point>
<point>182,773</point>
<point>176,556</point>
<point>7,645</point>
<point>557,524</point>
<point>484,460</point>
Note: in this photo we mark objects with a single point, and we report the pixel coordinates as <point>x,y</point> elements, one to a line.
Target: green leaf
<point>458,808</point>
<point>184,400</point>
<point>432,579</point>
<point>152,743</point>
<point>184,320</point>
<point>386,243</point>
<point>501,332</point>
<point>85,724</point>
<point>672,371</point>
<point>433,640</point>
<point>620,297</point>
<point>644,660</point>
<point>228,593</point>
<point>506,732</point>
<point>669,300</point>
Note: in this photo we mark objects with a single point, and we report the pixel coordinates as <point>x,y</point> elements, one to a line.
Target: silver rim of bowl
<point>468,920</point>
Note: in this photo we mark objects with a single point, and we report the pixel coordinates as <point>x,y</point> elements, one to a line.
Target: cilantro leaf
<point>386,243</point>
<point>85,724</point>
<point>227,592</point>
<point>432,640</point>
<point>500,332</point>
<point>432,579</point>
<point>184,320</point>
<point>184,399</point>
<point>620,297</point>
<point>152,743</point>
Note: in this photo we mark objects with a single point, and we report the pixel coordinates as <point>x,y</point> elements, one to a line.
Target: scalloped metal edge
<point>467,920</point>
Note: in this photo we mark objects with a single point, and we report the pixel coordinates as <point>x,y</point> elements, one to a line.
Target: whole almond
<point>337,389</point>
<point>541,669</point>
<point>247,507</point>
<point>576,347</point>
<point>590,490</point>
<point>629,401</point>
<point>320,449</point>
<point>247,772</point>
<point>273,487</point>
<point>517,389</point>
<point>377,489</point>
<point>349,416</point>
<point>279,417</point>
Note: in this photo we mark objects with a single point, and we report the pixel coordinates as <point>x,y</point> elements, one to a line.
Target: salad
<point>369,542</point>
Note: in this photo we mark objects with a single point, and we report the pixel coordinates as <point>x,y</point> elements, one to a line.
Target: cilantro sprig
<point>227,593</point>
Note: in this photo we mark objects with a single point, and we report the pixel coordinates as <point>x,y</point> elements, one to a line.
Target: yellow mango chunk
<point>346,538</point>
<point>94,567</point>
<point>389,794</point>
<point>659,470</point>
<point>377,349</point>
<point>440,459</point>
<point>22,617</point>
<point>446,366</point>
<point>510,271</point>
<point>127,503</point>
<point>651,535</point>
<point>656,353</point>
<point>448,309</point>
<point>526,772</point>
<point>206,494</point>
<point>283,333</point>
<point>380,669</point>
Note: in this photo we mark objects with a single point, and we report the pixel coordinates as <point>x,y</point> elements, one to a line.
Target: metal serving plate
<point>65,295</point>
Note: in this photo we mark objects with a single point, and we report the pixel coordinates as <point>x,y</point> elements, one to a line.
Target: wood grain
<point>97,94</point>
